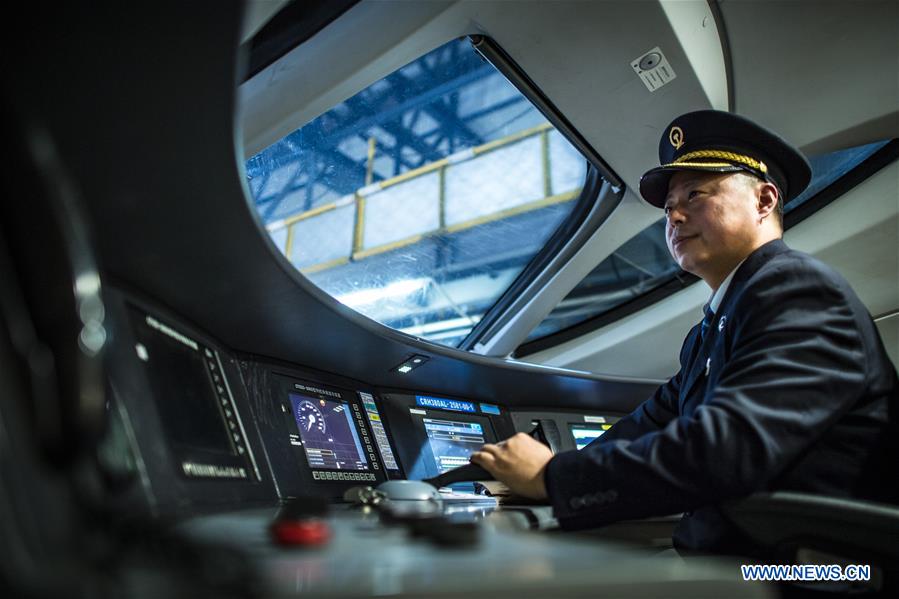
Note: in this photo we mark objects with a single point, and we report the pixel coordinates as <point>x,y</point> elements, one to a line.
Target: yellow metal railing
<point>358,198</point>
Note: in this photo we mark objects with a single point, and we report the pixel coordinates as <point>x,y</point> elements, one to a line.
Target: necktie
<point>706,322</point>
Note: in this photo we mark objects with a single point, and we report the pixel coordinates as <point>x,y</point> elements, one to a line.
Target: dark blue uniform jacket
<point>791,389</point>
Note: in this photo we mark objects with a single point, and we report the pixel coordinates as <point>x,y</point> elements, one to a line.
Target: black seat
<point>804,528</point>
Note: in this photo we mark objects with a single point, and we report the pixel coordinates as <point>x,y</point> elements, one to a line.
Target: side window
<point>419,200</point>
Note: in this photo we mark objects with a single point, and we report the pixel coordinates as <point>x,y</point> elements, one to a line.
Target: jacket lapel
<point>697,369</point>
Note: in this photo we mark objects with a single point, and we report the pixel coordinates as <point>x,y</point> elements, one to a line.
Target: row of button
<point>227,407</point>
<point>384,444</point>
<point>365,438</point>
<point>360,476</point>
<point>377,427</point>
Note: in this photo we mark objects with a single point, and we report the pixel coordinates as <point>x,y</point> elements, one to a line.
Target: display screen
<point>585,434</point>
<point>329,437</point>
<point>181,383</point>
<point>452,441</point>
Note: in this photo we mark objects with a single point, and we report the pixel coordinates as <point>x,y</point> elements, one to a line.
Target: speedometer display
<point>328,434</point>
<point>310,418</point>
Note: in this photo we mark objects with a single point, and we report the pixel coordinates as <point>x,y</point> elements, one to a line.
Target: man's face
<point>712,222</point>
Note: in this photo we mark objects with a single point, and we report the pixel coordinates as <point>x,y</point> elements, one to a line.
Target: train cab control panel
<point>208,425</point>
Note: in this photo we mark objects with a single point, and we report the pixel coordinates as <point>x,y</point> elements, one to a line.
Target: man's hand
<point>519,462</point>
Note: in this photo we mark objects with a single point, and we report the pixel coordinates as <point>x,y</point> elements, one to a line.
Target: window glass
<point>419,200</point>
<point>643,263</point>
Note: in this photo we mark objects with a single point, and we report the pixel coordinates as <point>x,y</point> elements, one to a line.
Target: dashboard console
<point>205,426</point>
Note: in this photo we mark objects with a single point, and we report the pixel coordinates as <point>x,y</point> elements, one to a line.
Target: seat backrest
<point>789,525</point>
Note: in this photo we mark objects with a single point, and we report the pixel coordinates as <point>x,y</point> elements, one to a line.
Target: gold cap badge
<point>676,137</point>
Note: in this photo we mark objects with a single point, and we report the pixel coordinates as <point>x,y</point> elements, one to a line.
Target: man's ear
<point>767,200</point>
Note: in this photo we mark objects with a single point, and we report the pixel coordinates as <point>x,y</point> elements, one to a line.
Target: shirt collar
<point>718,296</point>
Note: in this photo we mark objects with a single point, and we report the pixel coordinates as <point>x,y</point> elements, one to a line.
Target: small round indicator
<point>308,533</point>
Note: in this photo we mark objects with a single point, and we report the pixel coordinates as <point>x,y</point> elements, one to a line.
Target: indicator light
<point>410,364</point>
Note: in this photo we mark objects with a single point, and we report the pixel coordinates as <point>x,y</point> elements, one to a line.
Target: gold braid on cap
<point>730,157</point>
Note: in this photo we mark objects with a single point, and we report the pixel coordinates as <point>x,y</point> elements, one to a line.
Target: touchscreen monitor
<point>452,441</point>
<point>193,399</point>
<point>181,382</point>
<point>584,434</point>
<point>329,436</point>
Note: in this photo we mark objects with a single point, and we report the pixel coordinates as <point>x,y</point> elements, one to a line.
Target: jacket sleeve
<point>652,415</point>
<point>796,365</point>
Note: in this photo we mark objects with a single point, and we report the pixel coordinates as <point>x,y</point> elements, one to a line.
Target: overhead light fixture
<point>410,364</point>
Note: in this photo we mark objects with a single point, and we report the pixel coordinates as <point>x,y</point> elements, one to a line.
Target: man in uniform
<point>784,385</point>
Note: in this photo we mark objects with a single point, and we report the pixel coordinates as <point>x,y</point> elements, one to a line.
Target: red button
<point>301,532</point>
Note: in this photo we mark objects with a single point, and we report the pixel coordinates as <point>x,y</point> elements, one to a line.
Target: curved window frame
<point>597,172</point>
<point>289,27</point>
<point>681,280</point>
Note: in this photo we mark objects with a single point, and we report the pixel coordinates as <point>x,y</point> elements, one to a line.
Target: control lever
<point>474,472</point>
<point>468,472</point>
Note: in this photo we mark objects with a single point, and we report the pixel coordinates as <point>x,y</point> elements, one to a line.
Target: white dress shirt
<point>718,296</point>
